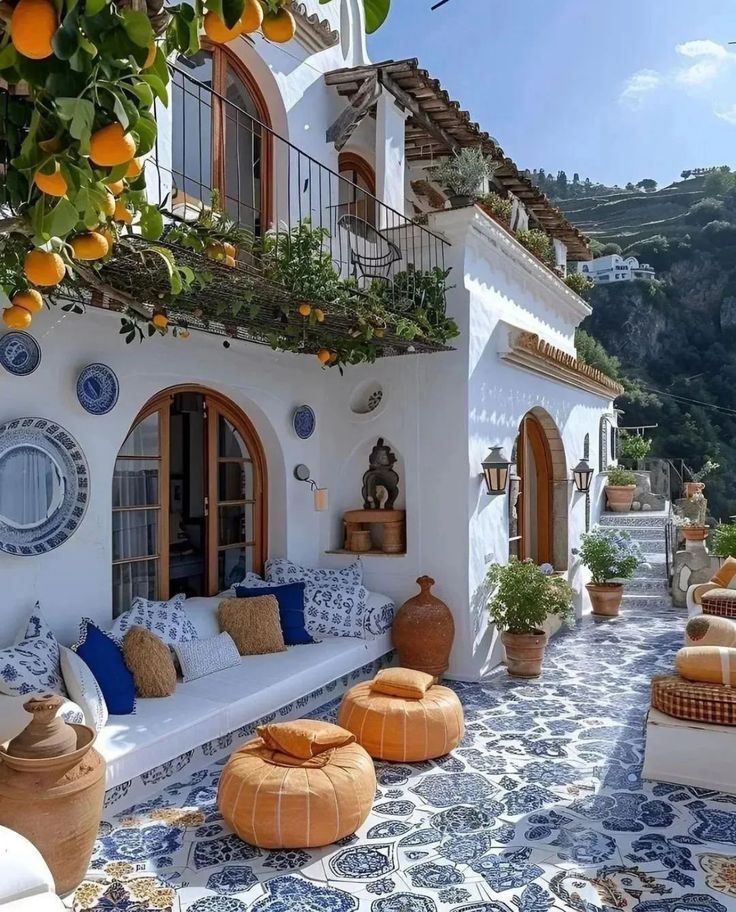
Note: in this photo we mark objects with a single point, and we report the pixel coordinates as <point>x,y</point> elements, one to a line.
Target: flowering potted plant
<point>696,483</point>
<point>612,556</point>
<point>620,490</point>
<point>523,596</point>
<point>690,517</point>
<point>463,175</point>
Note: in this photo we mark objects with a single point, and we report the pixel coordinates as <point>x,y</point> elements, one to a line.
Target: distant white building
<point>615,268</point>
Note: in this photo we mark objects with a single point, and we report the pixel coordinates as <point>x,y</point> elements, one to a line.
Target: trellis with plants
<point>82,79</point>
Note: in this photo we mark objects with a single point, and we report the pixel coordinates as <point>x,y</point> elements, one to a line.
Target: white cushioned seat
<point>26,884</point>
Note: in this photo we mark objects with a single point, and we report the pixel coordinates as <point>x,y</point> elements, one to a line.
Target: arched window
<point>606,443</point>
<point>188,499</point>
<point>220,138</point>
<point>586,447</point>
<point>358,189</point>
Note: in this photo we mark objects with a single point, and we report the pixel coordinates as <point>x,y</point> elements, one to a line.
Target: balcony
<point>310,230</point>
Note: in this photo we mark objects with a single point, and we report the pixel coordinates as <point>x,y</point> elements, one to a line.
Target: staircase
<point>649,588</point>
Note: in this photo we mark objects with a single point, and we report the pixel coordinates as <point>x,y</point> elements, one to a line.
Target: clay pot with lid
<point>52,788</point>
<point>423,631</point>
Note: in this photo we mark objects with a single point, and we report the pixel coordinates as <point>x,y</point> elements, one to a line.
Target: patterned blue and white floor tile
<point>541,809</point>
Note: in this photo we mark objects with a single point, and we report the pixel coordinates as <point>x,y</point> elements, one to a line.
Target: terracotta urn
<point>689,488</point>
<point>52,787</point>
<point>620,497</point>
<point>605,598</point>
<point>423,631</point>
<point>695,533</point>
<point>524,653</point>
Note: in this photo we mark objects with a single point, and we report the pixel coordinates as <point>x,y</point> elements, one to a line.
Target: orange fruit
<point>32,26</point>
<point>108,207</point>
<point>229,261</point>
<point>122,214</point>
<point>319,314</point>
<point>215,251</point>
<point>160,320</point>
<point>90,245</point>
<point>108,236</point>
<point>30,300</point>
<point>52,184</point>
<point>110,146</point>
<point>116,187</point>
<point>305,309</point>
<point>42,267</point>
<point>217,31</point>
<point>17,317</point>
<point>251,18</point>
<point>279,27</point>
<point>151,56</point>
<point>228,248</point>
<point>134,168</point>
<point>323,355</point>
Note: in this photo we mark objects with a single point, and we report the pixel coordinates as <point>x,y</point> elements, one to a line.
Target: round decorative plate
<point>44,486</point>
<point>20,354</point>
<point>304,421</point>
<point>97,389</point>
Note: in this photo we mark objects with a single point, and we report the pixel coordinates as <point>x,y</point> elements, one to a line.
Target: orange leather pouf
<point>278,801</point>
<point>403,729</point>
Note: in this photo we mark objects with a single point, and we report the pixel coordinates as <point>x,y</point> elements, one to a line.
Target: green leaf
<point>145,131</point>
<point>8,57</point>
<point>62,218</point>
<point>376,13</point>
<point>151,223</point>
<point>66,39</point>
<point>80,112</point>
<point>158,86</point>
<point>137,27</point>
<point>93,7</point>
<point>232,10</point>
<point>143,92</point>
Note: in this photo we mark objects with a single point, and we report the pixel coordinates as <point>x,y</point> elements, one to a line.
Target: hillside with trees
<point>675,336</point>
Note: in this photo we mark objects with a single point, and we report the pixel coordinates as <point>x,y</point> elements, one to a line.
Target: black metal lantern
<point>583,476</point>
<point>496,471</point>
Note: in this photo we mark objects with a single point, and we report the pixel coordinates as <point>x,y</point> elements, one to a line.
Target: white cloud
<point>712,59</point>
<point>702,47</point>
<point>638,86</point>
<point>728,114</point>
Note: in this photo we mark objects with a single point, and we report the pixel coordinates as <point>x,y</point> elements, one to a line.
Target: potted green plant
<point>612,556</point>
<point>724,540</point>
<point>500,208</point>
<point>523,596</point>
<point>690,517</point>
<point>633,448</point>
<point>620,490</point>
<point>696,484</point>
<point>463,174</point>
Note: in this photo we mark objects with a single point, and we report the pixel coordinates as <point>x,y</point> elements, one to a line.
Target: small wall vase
<point>423,631</point>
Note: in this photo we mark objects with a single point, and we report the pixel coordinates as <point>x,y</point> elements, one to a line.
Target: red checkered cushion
<point>694,701</point>
<point>721,602</point>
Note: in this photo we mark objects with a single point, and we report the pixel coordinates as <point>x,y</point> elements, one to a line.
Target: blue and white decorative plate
<point>97,389</point>
<point>44,486</point>
<point>304,421</point>
<point>20,354</point>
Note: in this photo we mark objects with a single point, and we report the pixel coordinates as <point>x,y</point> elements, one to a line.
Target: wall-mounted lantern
<point>321,495</point>
<point>582,476</point>
<point>496,471</point>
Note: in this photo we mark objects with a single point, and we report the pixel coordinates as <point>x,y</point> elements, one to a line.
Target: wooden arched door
<point>189,499</point>
<point>534,503</point>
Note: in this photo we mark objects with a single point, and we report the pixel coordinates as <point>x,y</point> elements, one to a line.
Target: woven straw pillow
<point>150,662</point>
<point>253,623</point>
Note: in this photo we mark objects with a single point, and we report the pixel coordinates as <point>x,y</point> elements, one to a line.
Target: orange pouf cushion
<point>400,729</point>
<point>402,682</point>
<point>278,801</point>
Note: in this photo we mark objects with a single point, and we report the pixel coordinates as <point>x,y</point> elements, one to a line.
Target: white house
<point>606,270</point>
<point>191,474</point>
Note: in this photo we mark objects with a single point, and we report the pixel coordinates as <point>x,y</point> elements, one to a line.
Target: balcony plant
<point>633,447</point>
<point>538,243</point>
<point>620,490</point>
<point>612,556</point>
<point>697,483</point>
<point>724,540</point>
<point>523,596</point>
<point>580,283</point>
<point>498,207</point>
<point>463,174</point>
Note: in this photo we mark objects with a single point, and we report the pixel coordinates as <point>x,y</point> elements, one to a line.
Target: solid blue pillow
<point>291,609</point>
<point>105,660</point>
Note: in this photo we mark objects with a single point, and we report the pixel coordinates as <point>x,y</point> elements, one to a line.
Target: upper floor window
<point>220,138</point>
<point>358,189</point>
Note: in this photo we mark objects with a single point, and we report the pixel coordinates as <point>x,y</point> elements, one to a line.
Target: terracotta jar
<point>605,598</point>
<point>620,497</point>
<point>423,631</point>
<point>54,800</point>
<point>695,533</point>
<point>524,653</point>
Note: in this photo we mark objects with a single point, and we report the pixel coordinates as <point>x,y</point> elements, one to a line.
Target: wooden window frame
<point>216,405</point>
<point>351,161</point>
<point>532,433</point>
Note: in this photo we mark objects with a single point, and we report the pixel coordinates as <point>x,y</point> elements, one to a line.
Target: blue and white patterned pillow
<point>380,614</point>
<point>280,570</point>
<point>31,666</point>
<point>346,611</point>
<point>168,620</point>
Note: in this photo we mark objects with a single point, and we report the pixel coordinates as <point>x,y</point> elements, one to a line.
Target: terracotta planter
<point>605,598</point>
<point>524,653</point>
<point>55,801</point>
<point>423,631</point>
<point>695,533</point>
<point>620,497</point>
<point>692,487</point>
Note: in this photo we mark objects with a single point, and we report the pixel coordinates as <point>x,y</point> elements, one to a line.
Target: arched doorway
<point>538,510</point>
<point>189,499</point>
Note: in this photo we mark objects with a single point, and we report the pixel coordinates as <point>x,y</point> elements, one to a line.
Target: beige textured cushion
<point>402,682</point>
<point>304,738</point>
<point>709,664</point>
<point>725,578</point>
<point>710,630</point>
<point>150,662</point>
<point>253,623</point>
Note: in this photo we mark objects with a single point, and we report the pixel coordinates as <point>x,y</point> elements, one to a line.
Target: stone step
<point>643,533</point>
<point>655,570</point>
<point>646,602</point>
<point>647,586</point>
<point>627,520</point>
<point>653,547</point>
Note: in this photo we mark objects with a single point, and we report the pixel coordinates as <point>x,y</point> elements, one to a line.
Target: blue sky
<point>617,91</point>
